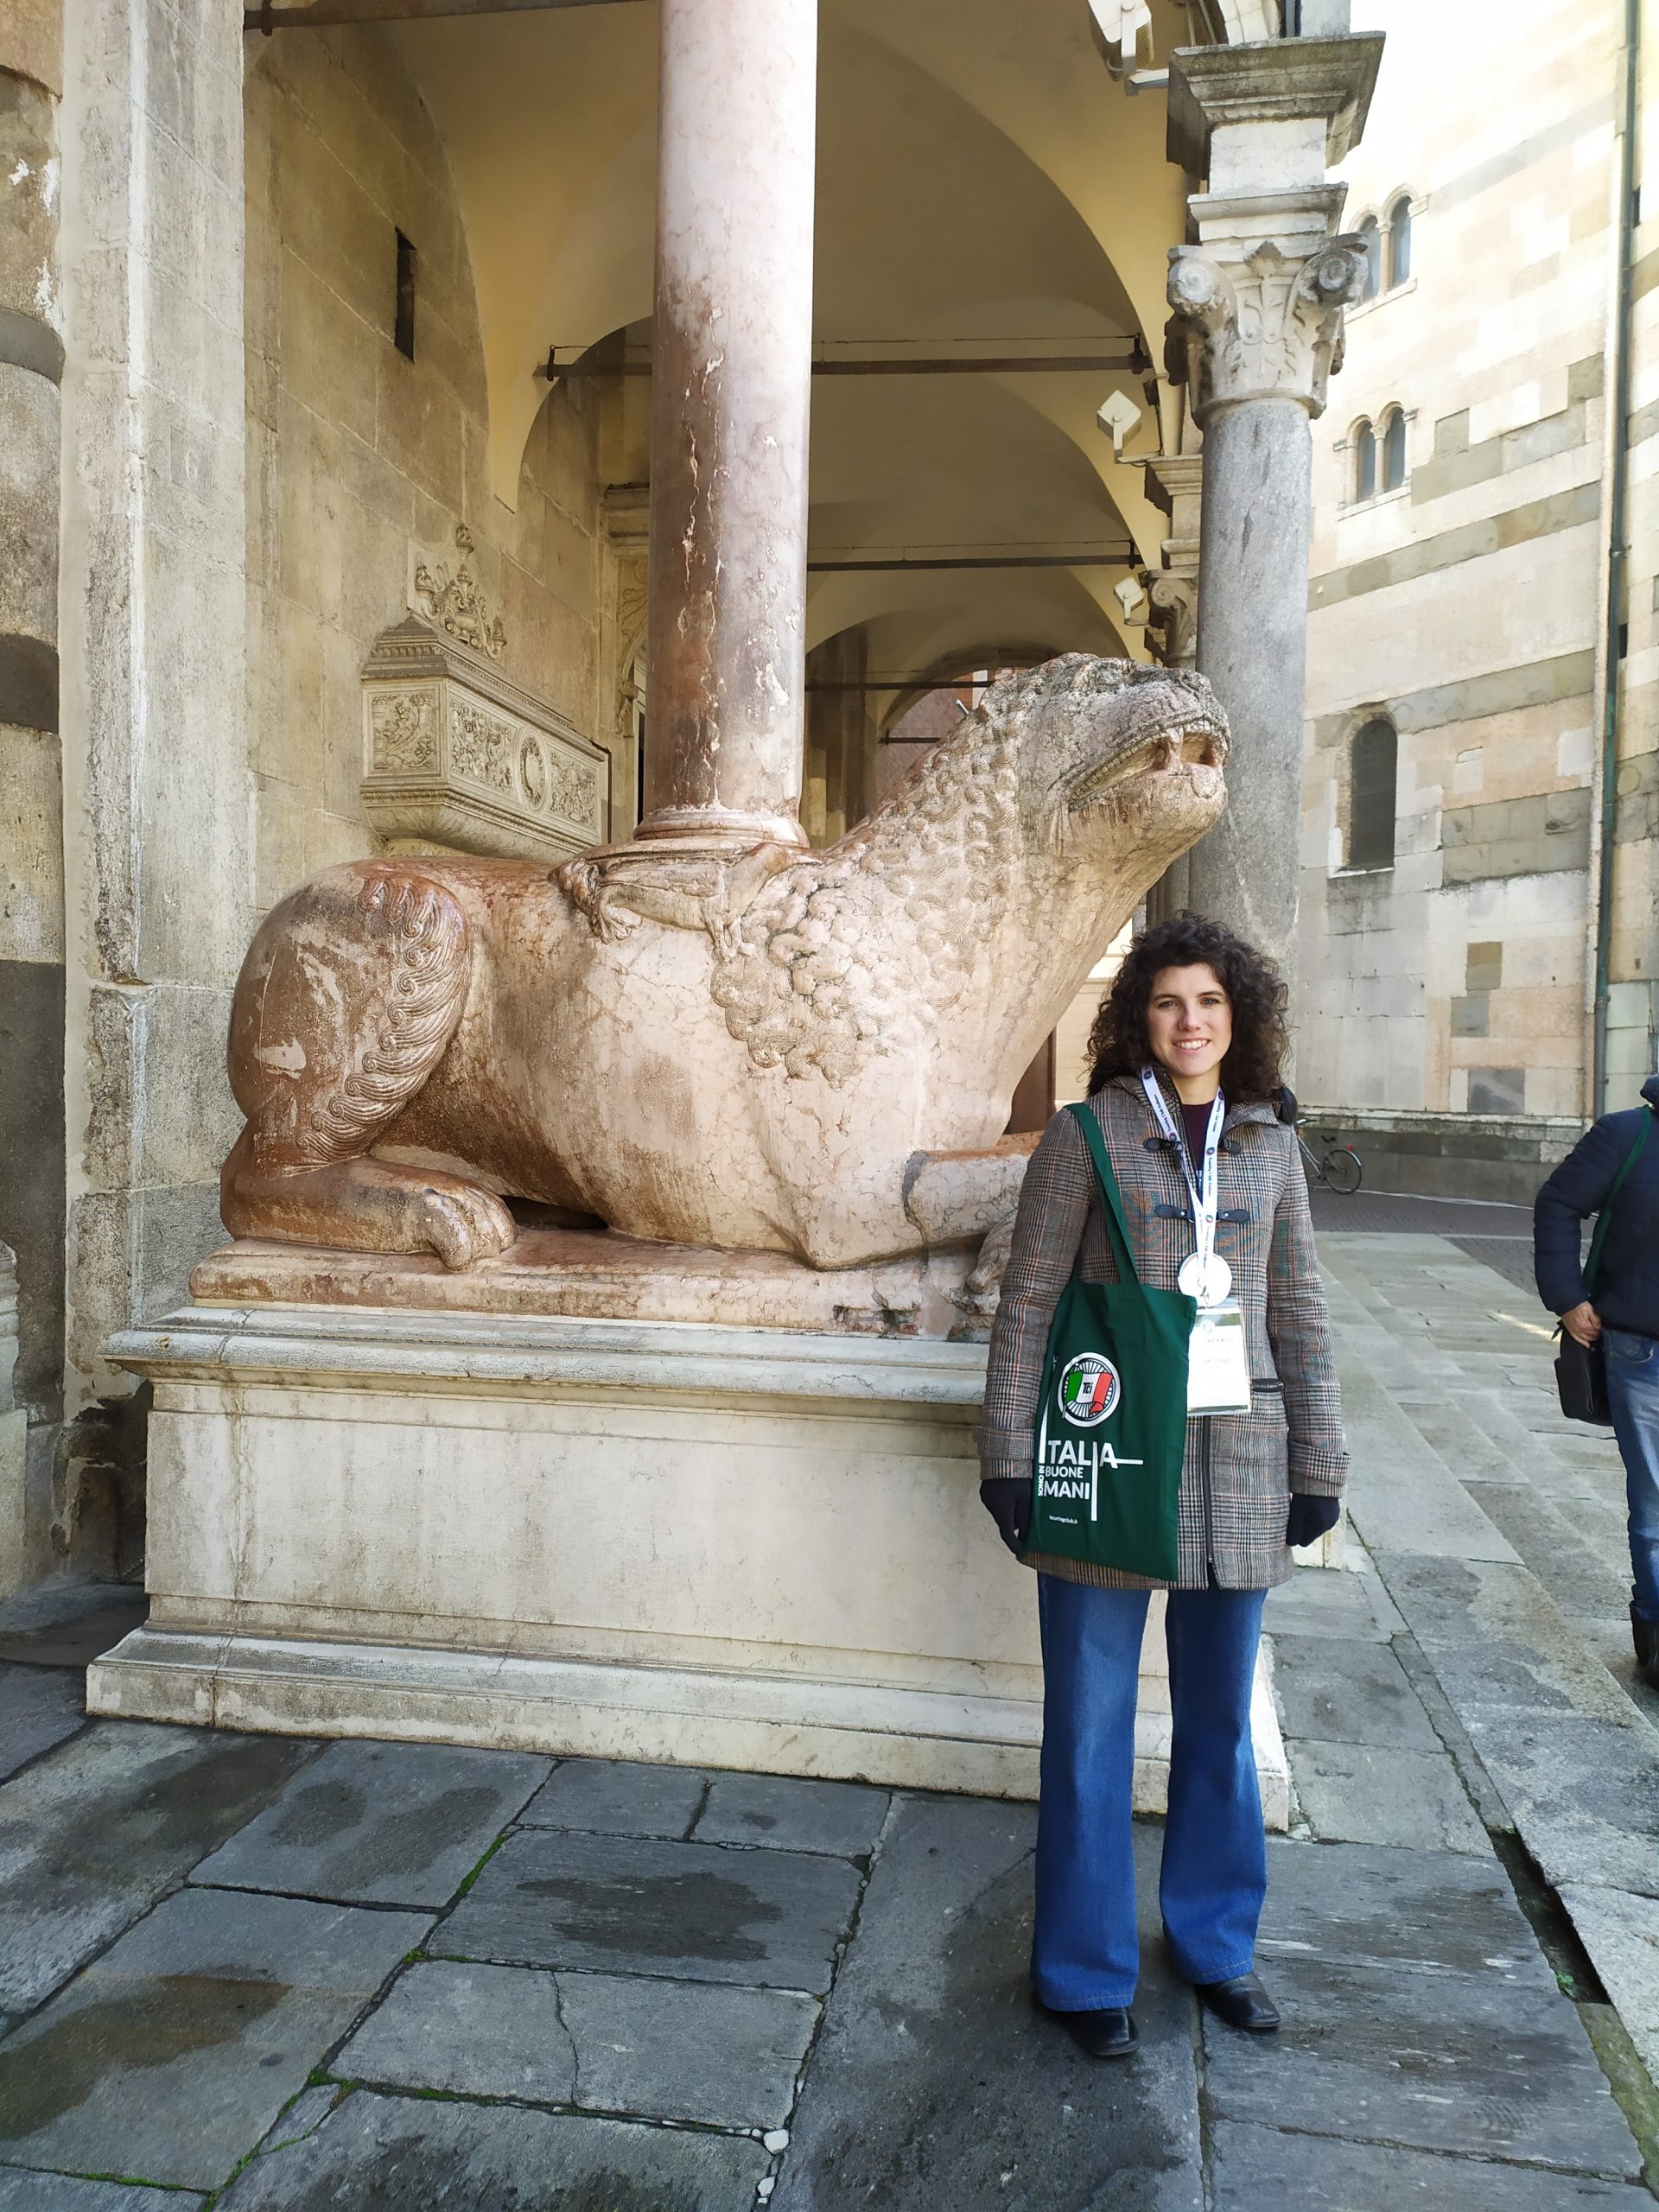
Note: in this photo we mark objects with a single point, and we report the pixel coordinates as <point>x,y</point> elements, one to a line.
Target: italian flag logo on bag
<point>1089,1388</point>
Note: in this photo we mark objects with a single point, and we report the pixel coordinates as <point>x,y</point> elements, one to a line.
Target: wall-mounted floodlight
<point>1117,416</point>
<point>1130,597</point>
<point>1121,24</point>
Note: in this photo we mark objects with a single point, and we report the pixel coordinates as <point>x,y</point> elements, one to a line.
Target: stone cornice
<point>1171,476</point>
<point>1276,80</point>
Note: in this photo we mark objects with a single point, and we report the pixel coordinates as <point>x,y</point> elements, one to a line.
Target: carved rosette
<point>456,757</point>
<point>1264,326</point>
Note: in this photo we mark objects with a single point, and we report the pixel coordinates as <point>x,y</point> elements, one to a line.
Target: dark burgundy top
<point>1197,1128</point>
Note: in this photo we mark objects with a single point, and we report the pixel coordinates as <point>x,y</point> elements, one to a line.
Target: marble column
<point>1258,294</point>
<point>731,403</point>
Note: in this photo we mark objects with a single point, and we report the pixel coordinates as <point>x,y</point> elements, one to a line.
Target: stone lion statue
<point>807,1053</point>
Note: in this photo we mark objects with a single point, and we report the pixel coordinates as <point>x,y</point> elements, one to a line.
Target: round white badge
<point>1208,1281</point>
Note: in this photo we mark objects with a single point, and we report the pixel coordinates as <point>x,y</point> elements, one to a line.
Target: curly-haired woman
<point>1187,1052</point>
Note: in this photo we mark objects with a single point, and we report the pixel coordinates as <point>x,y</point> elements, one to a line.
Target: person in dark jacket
<point>1623,1318</point>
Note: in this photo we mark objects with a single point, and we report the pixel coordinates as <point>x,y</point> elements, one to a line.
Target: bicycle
<point>1337,1167</point>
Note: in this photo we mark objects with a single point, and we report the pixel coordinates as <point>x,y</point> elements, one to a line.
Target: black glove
<point>1310,1516</point>
<point>1008,1503</point>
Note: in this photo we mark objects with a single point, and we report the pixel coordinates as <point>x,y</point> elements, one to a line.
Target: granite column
<point>731,404</point>
<point>1258,294</point>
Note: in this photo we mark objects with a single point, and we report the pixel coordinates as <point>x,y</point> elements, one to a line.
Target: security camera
<point>1117,416</point>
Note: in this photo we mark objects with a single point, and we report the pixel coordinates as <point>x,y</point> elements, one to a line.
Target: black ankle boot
<point>1108,2033</point>
<point>1644,1634</point>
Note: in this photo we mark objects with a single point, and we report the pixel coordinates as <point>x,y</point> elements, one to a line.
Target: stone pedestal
<point>679,1542</point>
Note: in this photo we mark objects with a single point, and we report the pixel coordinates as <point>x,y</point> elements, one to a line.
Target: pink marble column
<point>731,401</point>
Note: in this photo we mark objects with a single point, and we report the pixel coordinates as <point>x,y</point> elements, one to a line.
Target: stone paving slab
<point>612,1797</point>
<point>42,2192</point>
<point>1404,1498</point>
<point>1351,1904</point>
<point>169,2058</point>
<point>402,2154</point>
<point>1332,1690</point>
<point>1317,1602</point>
<point>623,1905</point>
<point>1436,2062</point>
<point>1259,2170</point>
<point>1584,1793</point>
<point>1580,1551</point>
<point>1365,1793</point>
<point>935,2081</point>
<point>687,2049</point>
<point>659,2049</point>
<point>1621,1934</point>
<point>840,1818</point>
<point>370,1823</point>
<point>473,2031</point>
<point>1495,1636</point>
<point>303,2117</point>
<point>68,1624</point>
<point>39,1706</point>
<point>95,1833</point>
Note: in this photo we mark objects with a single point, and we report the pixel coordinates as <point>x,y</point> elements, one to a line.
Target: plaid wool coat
<point>1240,1468</point>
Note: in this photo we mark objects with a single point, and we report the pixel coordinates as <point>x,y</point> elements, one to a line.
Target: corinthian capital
<point>1261,323</point>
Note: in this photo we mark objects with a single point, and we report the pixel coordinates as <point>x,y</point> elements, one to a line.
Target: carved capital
<point>1172,619</point>
<point>1262,324</point>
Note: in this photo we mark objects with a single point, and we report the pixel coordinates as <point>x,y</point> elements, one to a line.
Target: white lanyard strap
<point>1205,1190</point>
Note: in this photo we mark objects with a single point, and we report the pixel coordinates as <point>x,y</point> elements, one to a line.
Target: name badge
<point>1217,1363</point>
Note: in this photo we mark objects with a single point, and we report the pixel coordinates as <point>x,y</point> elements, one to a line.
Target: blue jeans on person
<point>1633,1396</point>
<point>1085,1952</point>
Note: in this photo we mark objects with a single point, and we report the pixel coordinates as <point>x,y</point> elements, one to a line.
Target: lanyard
<point>1205,1190</point>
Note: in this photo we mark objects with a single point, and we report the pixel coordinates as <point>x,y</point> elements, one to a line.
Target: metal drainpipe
<point>1612,612</point>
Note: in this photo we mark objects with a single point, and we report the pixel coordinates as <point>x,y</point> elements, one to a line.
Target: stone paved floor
<point>257,1972</point>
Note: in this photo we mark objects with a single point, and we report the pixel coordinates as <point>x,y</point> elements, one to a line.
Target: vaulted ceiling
<point>985,184</point>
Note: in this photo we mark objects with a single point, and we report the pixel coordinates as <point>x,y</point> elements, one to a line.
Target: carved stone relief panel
<point>457,758</point>
<point>404,729</point>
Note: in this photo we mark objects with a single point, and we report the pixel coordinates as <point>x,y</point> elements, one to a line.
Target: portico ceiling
<point>984,185</point>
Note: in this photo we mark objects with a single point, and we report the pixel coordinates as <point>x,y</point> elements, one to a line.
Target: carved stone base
<point>716,1546</point>
<point>578,1275</point>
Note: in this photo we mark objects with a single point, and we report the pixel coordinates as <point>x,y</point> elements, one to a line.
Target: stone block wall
<point>362,462</point>
<point>1463,606</point>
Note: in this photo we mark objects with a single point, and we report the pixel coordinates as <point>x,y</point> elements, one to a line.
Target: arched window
<point>1394,450</point>
<point>1364,444</point>
<point>1370,795</point>
<point>1399,241</point>
<point>1373,242</point>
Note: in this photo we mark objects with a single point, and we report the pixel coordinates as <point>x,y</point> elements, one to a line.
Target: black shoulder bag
<point>1581,1370</point>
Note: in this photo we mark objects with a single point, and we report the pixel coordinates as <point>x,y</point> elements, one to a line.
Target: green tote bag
<point>1111,1422</point>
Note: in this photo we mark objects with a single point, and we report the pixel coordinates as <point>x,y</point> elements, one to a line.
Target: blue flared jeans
<point>1085,1951</point>
<point>1633,1400</point>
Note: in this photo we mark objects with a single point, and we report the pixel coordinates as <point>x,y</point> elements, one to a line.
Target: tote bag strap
<point>1605,1216</point>
<point>1111,1204</point>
